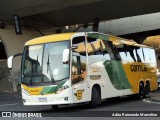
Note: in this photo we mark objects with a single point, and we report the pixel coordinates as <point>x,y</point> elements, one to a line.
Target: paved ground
<point>155,95</point>
<point>12,102</point>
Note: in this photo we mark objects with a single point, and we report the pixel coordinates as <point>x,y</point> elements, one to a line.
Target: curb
<point>155,99</point>
<point>155,96</point>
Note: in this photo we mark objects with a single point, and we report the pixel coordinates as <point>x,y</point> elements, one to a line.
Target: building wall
<point>14,44</point>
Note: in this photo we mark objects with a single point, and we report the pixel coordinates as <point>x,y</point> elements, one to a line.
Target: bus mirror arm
<point>10,60</point>
<point>74,47</point>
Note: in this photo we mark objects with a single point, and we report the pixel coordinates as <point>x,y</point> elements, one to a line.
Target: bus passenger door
<point>80,84</point>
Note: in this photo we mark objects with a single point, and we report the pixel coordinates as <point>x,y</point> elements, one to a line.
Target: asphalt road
<point>82,111</point>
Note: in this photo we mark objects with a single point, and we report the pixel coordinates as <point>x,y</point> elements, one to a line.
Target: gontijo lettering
<point>138,68</point>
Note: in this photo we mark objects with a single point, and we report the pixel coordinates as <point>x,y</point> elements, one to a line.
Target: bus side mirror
<point>65,56</point>
<point>10,62</point>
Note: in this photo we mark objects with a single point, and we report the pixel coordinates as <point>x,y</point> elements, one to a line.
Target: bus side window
<point>146,54</point>
<point>112,50</point>
<point>152,56</point>
<point>76,69</point>
<point>123,52</point>
<point>79,60</point>
<point>107,51</point>
<point>116,52</point>
<point>106,55</point>
<point>95,50</point>
<point>139,53</point>
<point>129,50</point>
<point>139,57</point>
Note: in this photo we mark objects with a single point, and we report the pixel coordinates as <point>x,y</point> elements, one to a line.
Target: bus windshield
<point>44,63</point>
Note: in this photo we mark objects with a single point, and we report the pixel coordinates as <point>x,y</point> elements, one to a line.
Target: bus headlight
<point>25,92</point>
<point>62,89</point>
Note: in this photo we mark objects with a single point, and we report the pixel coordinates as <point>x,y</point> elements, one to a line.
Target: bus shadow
<point>85,106</point>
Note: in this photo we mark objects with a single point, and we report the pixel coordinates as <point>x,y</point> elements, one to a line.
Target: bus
<point>70,68</point>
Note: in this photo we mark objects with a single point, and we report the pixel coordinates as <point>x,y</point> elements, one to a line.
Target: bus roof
<point>50,38</point>
<point>67,36</point>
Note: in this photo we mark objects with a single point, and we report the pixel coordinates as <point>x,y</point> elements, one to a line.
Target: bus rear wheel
<point>141,93</point>
<point>147,89</point>
<point>95,98</point>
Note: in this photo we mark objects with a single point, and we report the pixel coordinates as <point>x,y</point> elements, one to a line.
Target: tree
<point>153,41</point>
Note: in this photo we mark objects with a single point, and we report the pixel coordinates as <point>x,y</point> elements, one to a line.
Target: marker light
<point>62,89</point>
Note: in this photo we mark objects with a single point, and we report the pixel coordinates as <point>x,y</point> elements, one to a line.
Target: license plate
<point>42,99</point>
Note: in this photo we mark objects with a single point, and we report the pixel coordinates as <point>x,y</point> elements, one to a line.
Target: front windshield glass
<point>53,67</point>
<point>32,67</point>
<point>50,67</point>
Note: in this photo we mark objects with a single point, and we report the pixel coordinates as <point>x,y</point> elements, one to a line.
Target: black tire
<point>147,90</point>
<point>54,107</point>
<point>95,98</point>
<point>141,93</point>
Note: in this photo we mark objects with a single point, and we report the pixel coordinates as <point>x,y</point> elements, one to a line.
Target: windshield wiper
<point>48,63</point>
<point>50,70</point>
<point>36,67</point>
<point>63,79</point>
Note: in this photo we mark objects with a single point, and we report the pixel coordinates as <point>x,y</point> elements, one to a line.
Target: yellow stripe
<point>50,38</point>
<point>33,90</point>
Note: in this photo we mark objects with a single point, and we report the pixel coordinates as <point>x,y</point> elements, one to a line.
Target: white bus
<point>84,67</point>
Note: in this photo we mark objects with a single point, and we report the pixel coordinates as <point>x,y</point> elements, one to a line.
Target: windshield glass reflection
<point>50,67</point>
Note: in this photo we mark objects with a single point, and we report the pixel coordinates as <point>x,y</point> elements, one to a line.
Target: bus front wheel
<point>95,98</point>
<point>54,107</point>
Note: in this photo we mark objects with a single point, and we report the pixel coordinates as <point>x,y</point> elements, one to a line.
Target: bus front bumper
<point>65,97</point>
